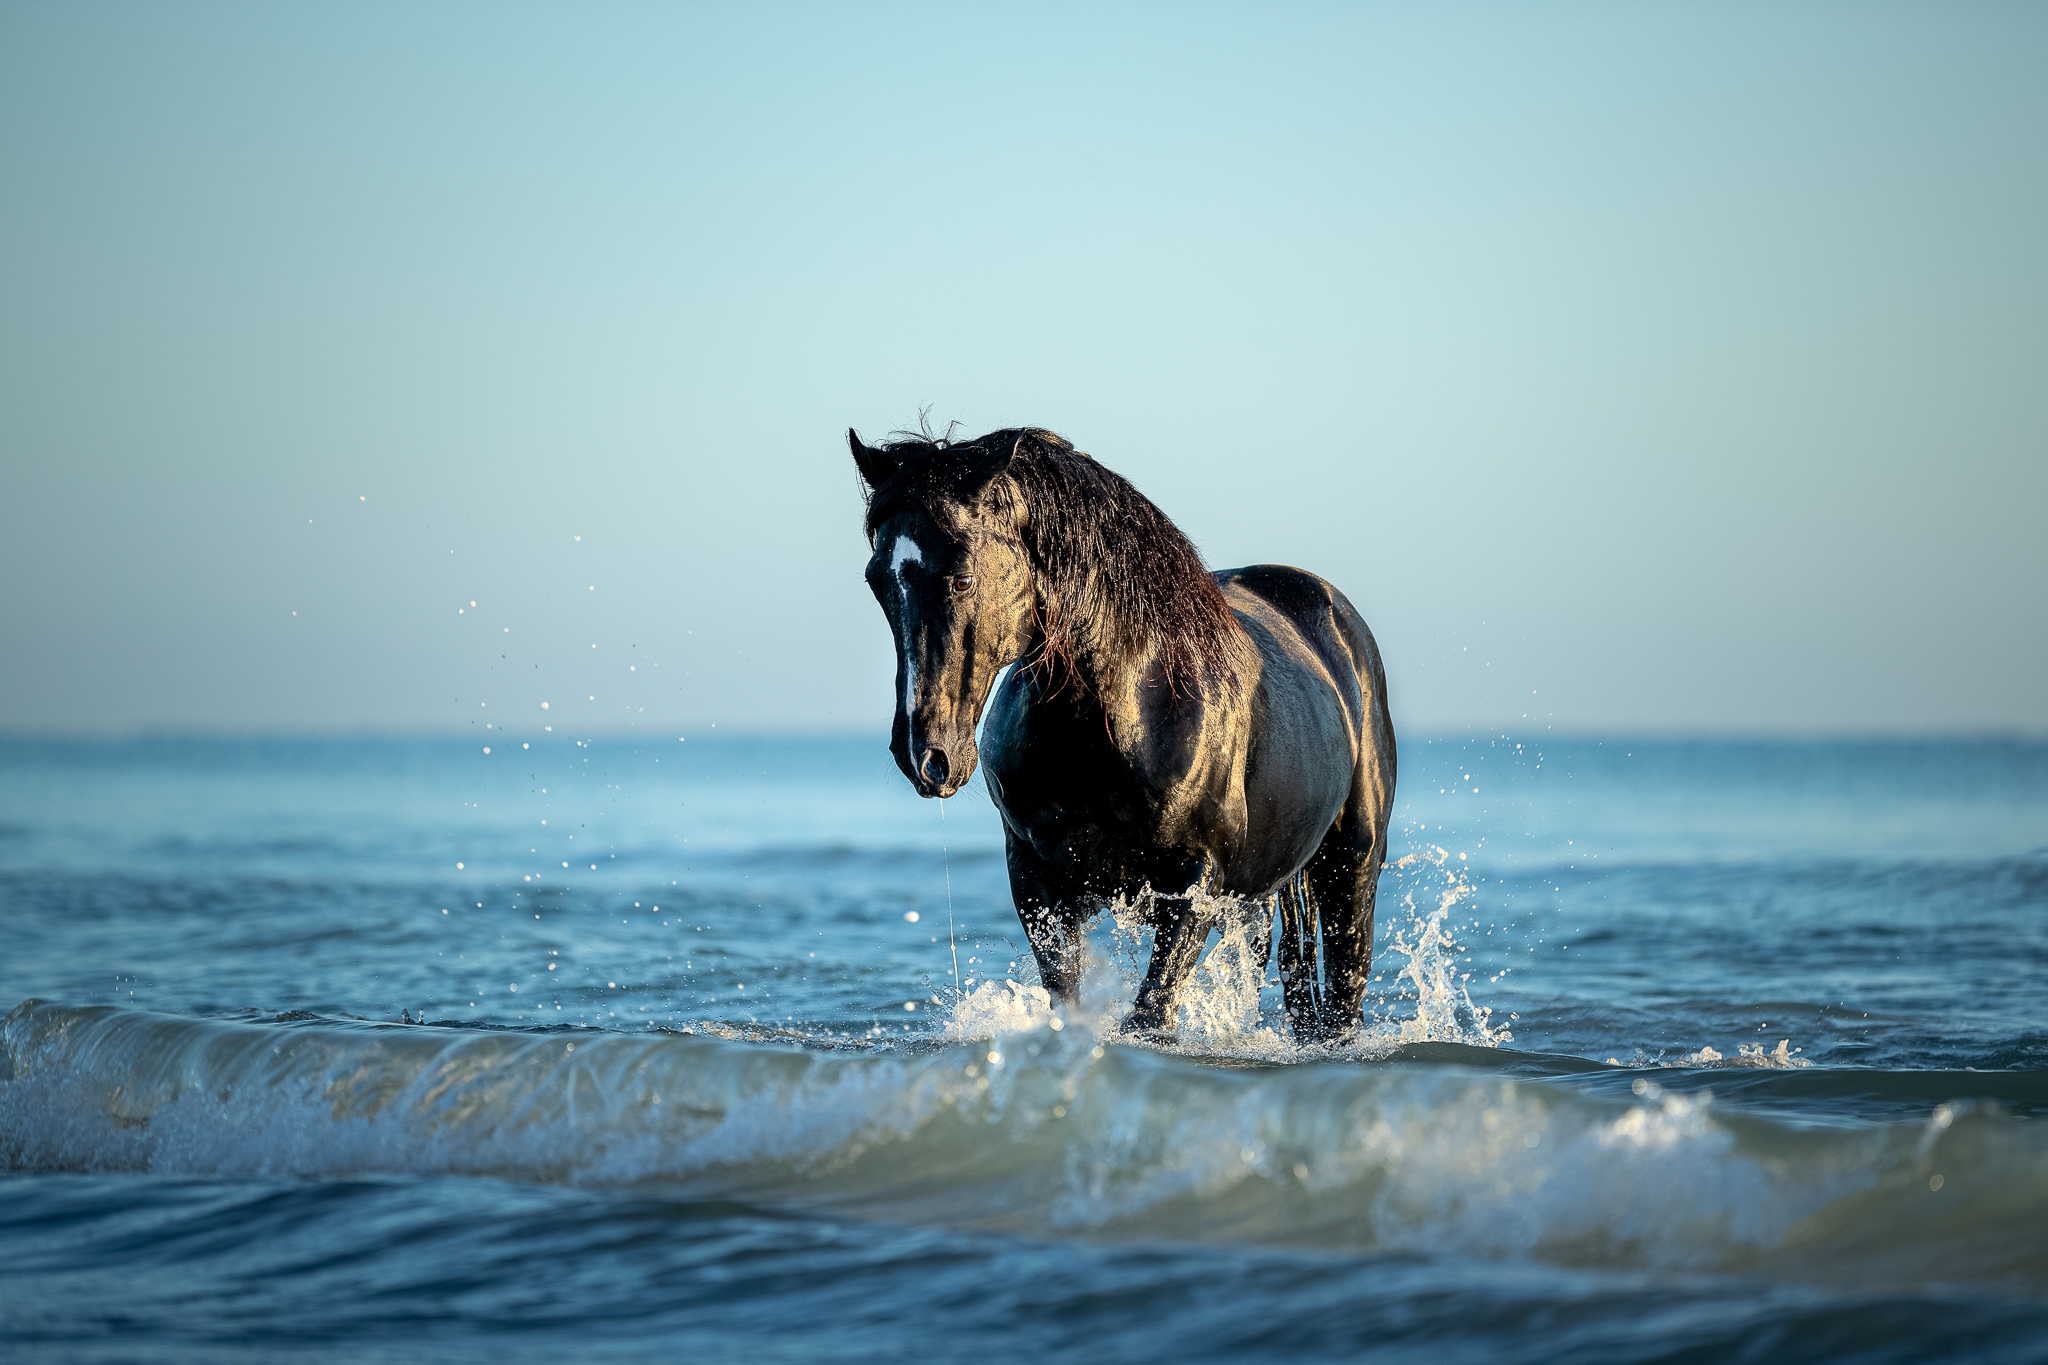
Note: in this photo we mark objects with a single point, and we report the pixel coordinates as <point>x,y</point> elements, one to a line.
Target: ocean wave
<point>1053,1132</point>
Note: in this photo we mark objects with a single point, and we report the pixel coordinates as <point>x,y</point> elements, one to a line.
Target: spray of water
<point>1231,1005</point>
<point>1431,980</point>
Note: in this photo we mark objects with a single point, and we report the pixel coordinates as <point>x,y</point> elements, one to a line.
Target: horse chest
<point>1084,804</point>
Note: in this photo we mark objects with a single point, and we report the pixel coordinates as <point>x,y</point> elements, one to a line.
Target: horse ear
<point>875,465</point>
<point>985,467</point>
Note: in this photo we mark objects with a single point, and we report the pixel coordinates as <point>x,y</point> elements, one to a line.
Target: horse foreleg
<point>1262,932</point>
<point>1060,947</point>
<point>1177,944</point>
<point>1050,910</point>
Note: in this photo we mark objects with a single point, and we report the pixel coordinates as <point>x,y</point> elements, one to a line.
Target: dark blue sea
<point>653,1048</point>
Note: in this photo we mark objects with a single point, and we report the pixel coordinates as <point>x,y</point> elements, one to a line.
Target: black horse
<point>1166,731</point>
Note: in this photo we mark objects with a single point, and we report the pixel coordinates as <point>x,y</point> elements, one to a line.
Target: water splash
<point>1432,979</point>
<point>1747,1055</point>
<point>990,1009</point>
<point>1225,1008</point>
<point>1231,1005</point>
<point>1228,1005</point>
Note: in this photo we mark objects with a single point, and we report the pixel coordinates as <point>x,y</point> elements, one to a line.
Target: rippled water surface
<point>1677,1051</point>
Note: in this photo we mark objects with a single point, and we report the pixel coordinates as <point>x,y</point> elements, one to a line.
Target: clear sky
<point>1677,367</point>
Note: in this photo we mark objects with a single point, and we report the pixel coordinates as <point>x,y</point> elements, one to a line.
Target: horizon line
<point>711,733</point>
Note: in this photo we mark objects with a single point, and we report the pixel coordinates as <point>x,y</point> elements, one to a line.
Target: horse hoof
<point>1144,1025</point>
<point>1327,1034</point>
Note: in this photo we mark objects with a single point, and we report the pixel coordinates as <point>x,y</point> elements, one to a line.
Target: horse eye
<point>962,582</point>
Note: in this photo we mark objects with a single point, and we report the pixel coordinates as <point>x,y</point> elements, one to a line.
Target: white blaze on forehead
<point>905,551</point>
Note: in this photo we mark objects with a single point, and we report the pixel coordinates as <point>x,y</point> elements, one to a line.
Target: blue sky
<point>1674,367</point>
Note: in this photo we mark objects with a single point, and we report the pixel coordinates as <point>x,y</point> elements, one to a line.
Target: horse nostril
<point>932,767</point>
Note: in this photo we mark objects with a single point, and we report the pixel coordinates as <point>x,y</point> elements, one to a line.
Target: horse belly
<point>1299,771</point>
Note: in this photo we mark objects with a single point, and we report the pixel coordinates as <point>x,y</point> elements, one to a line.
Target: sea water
<point>649,1046</point>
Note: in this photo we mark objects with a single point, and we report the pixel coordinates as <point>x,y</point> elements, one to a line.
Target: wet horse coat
<point>1166,730</point>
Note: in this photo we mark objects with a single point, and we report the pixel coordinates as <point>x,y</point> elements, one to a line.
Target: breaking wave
<point>1049,1132</point>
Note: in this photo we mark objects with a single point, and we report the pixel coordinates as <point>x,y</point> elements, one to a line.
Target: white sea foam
<point>1748,1056</point>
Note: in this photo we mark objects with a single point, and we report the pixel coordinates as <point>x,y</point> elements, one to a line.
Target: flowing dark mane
<point>1119,580</point>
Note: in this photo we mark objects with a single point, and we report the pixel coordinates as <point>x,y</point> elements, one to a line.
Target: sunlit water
<point>1675,1051</point>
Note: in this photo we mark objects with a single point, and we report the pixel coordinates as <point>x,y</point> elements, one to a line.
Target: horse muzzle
<point>937,769</point>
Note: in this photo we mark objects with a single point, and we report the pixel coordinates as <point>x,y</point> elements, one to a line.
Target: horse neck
<point>1110,691</point>
<point>1097,681</point>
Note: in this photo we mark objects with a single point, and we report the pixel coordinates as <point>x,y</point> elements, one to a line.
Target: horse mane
<point>1118,578</point>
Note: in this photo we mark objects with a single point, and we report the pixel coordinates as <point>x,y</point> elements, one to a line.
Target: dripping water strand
<point>946,855</point>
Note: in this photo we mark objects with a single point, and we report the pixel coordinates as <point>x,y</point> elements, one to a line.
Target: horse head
<point>956,583</point>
